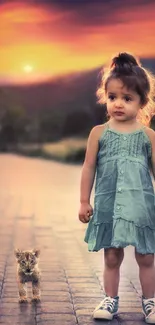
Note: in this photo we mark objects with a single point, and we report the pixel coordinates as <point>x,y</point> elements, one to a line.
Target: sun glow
<point>28,68</point>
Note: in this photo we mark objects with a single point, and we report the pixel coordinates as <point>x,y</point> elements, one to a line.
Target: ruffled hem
<point>120,233</point>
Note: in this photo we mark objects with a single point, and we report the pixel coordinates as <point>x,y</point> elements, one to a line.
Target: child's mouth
<point>119,113</point>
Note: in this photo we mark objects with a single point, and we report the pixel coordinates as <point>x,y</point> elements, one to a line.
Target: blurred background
<point>51,55</point>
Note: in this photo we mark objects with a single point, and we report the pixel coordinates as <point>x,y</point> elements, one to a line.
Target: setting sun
<point>28,68</point>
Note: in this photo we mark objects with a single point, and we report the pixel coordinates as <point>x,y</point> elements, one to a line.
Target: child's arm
<point>153,155</point>
<point>88,174</point>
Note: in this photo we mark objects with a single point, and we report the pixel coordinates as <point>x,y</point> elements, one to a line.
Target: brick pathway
<point>38,208</point>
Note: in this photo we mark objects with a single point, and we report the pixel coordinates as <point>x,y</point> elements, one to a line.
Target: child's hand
<point>85,212</point>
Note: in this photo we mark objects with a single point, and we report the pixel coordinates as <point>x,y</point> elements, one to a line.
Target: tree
<point>13,120</point>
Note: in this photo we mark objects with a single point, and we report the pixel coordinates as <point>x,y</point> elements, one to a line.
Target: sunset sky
<point>42,39</point>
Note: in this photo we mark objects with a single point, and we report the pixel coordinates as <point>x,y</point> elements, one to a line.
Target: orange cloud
<point>20,22</point>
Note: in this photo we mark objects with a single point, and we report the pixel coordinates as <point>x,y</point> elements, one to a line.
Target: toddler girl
<point>122,154</point>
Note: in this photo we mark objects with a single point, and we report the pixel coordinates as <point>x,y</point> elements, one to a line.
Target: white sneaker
<point>107,308</point>
<point>148,306</point>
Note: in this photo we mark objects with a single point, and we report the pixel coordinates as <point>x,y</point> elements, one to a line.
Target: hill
<point>74,91</point>
<point>63,106</point>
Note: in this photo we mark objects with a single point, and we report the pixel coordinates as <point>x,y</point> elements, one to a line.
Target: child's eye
<point>111,97</point>
<point>127,98</point>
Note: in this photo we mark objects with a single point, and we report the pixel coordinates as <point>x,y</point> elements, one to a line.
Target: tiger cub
<point>28,271</point>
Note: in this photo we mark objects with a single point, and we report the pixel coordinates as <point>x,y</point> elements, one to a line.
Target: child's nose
<point>118,103</point>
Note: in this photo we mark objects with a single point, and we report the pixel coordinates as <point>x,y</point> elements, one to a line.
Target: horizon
<point>50,79</point>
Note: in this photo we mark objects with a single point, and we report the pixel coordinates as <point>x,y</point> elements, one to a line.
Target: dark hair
<point>128,69</point>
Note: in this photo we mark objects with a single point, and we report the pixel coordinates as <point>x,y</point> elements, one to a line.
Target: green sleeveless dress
<point>124,202</point>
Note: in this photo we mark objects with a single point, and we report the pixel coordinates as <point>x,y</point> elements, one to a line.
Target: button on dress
<point>124,202</point>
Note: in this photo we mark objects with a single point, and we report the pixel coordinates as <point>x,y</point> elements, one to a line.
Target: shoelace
<point>149,306</point>
<point>108,302</point>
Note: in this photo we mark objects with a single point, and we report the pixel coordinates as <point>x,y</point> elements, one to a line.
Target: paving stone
<point>15,319</point>
<point>12,310</point>
<point>99,322</point>
<point>133,322</point>
<point>12,321</point>
<point>128,294</point>
<point>83,279</point>
<point>52,278</point>
<point>131,316</point>
<point>80,300</point>
<point>55,307</point>
<point>88,320</point>
<point>10,294</point>
<point>56,322</point>
<point>56,298</point>
<point>78,288</point>
<point>56,317</point>
<point>9,300</point>
<point>84,311</point>
<point>85,294</point>
<point>128,309</point>
<point>52,286</point>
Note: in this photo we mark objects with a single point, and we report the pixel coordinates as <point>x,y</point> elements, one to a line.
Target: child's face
<point>122,103</point>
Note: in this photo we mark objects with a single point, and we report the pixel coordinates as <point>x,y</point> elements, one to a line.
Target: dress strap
<point>105,129</point>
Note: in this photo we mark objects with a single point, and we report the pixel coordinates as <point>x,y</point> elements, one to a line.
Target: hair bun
<point>124,61</point>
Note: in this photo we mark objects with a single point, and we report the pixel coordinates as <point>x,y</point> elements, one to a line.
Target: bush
<point>70,150</point>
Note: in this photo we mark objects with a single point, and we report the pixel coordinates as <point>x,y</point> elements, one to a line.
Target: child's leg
<point>146,273</point>
<point>108,307</point>
<point>113,258</point>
